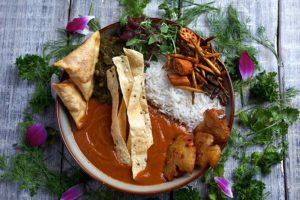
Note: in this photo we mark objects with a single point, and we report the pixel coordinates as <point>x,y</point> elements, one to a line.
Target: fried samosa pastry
<point>72,99</point>
<point>80,64</point>
<point>181,157</point>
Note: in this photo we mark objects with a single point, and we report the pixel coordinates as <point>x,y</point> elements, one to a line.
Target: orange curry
<point>96,143</point>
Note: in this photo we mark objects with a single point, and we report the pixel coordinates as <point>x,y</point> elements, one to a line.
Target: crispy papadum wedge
<point>80,64</point>
<point>72,99</point>
<point>140,141</point>
<point>120,144</point>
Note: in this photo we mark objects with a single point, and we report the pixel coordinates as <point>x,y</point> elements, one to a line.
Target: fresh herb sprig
<point>152,37</point>
<point>132,8</point>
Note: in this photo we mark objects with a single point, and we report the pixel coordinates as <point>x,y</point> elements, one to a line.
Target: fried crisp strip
<point>120,145</point>
<point>125,76</point>
<point>136,62</point>
<point>122,118</point>
<point>72,99</point>
<point>140,141</point>
<point>80,64</point>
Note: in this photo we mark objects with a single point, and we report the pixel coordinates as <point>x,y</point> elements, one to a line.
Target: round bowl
<point>64,123</point>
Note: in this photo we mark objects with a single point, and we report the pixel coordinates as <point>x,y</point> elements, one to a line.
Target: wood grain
<point>24,27</point>
<point>289,43</point>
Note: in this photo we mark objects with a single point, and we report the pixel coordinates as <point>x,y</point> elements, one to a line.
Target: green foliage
<point>232,38</point>
<point>36,68</point>
<point>133,8</point>
<point>150,40</point>
<point>187,193</point>
<point>268,124</point>
<point>245,185</point>
<point>265,87</point>
<point>193,10</point>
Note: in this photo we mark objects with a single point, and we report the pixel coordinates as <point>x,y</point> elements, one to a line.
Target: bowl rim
<point>102,180</point>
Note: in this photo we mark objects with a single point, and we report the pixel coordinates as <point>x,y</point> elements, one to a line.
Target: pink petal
<point>36,135</point>
<point>224,185</point>
<point>246,66</point>
<point>73,192</point>
<point>78,24</point>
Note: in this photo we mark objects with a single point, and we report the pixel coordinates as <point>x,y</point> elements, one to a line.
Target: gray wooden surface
<point>26,24</point>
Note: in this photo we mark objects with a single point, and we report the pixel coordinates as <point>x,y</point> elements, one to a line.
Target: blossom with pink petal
<point>79,25</point>
<point>73,192</point>
<point>246,66</point>
<point>224,185</point>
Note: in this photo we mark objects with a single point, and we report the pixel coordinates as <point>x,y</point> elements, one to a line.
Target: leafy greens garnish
<point>132,8</point>
<point>187,193</point>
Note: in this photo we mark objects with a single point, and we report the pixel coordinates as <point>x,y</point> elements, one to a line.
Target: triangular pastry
<point>72,99</point>
<point>80,64</point>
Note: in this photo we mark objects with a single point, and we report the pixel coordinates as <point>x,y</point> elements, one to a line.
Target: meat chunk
<point>215,125</point>
<point>207,153</point>
<point>182,67</point>
<point>181,157</point>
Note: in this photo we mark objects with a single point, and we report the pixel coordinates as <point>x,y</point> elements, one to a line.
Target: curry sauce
<point>96,143</point>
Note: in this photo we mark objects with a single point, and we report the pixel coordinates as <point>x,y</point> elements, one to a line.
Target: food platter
<point>66,126</point>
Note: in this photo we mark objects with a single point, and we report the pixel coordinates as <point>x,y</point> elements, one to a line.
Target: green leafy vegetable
<point>187,193</point>
<point>133,8</point>
<point>245,185</point>
<point>265,87</point>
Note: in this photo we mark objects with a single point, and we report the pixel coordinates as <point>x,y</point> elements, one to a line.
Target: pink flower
<point>79,25</point>
<point>73,192</point>
<point>224,185</point>
<point>36,135</point>
<point>246,66</point>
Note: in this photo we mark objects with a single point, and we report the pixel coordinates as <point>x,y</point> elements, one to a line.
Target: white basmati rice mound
<point>175,102</point>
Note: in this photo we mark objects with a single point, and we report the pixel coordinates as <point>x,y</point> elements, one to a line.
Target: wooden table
<point>25,25</point>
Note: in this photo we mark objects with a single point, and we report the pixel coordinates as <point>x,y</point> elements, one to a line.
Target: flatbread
<point>136,62</point>
<point>140,142</point>
<point>122,117</point>
<point>120,144</point>
<point>72,99</point>
<point>125,76</point>
<point>80,64</point>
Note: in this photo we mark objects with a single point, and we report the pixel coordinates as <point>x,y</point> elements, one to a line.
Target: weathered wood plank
<point>256,12</point>
<point>289,43</point>
<point>24,27</point>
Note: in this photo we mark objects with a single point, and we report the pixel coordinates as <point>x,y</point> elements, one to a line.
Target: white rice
<point>175,102</point>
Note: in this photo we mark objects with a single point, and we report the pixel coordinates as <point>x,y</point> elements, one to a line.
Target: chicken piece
<point>181,157</point>
<point>216,126</point>
<point>182,67</point>
<point>207,153</point>
<point>178,80</point>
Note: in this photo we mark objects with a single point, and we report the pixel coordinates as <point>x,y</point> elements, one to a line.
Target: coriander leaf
<point>265,87</point>
<point>187,193</point>
<point>133,42</point>
<point>171,9</point>
<point>152,39</point>
<point>164,28</point>
<point>267,159</point>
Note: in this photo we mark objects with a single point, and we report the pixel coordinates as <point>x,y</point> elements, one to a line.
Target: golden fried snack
<point>216,126</point>
<point>207,153</point>
<point>181,156</point>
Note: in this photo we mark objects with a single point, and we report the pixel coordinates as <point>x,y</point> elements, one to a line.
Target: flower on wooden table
<point>224,185</point>
<point>246,66</point>
<point>73,192</point>
<point>36,135</point>
<point>79,25</point>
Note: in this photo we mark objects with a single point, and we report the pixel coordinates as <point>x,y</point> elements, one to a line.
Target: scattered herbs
<point>187,193</point>
<point>265,87</point>
<point>150,37</point>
